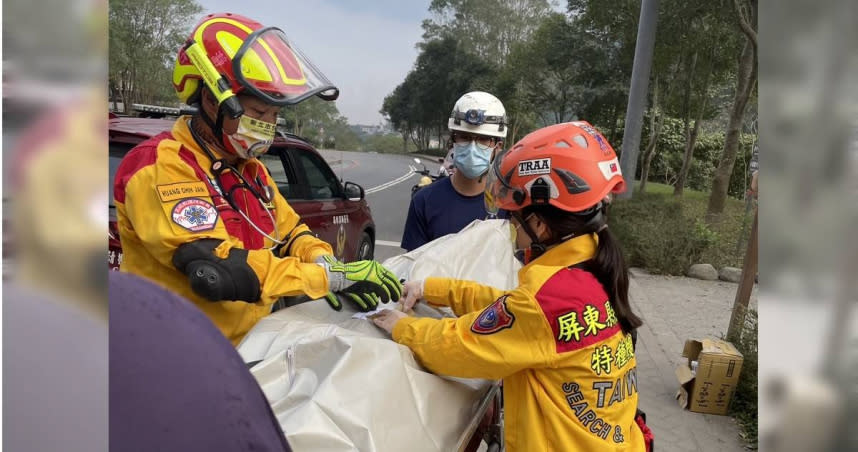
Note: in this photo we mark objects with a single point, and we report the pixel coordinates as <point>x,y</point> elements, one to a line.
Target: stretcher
<point>338,383</point>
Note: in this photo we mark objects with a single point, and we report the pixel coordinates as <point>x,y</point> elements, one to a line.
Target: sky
<point>365,47</point>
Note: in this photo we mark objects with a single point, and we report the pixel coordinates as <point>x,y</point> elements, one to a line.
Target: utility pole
<point>637,93</point>
<point>743,294</point>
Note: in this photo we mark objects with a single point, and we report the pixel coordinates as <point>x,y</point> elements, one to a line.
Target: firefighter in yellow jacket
<point>200,214</point>
<point>561,341</point>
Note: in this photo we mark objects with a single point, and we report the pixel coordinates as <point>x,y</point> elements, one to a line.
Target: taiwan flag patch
<point>494,318</point>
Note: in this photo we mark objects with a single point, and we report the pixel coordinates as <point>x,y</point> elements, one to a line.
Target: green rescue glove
<point>334,300</point>
<point>365,283</point>
<point>366,302</point>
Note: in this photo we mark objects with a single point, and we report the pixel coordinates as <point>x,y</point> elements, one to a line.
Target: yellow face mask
<point>513,233</point>
<point>523,255</point>
<point>253,137</point>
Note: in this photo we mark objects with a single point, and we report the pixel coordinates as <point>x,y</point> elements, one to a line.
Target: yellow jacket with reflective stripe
<point>568,370</point>
<point>165,197</point>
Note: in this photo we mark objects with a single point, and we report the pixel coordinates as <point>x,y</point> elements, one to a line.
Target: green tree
<point>509,87</point>
<point>405,110</point>
<point>746,80</point>
<point>420,106</point>
<point>657,117</point>
<point>385,144</point>
<point>398,110</point>
<point>489,28</point>
<point>710,46</point>
<point>320,122</point>
<point>308,118</point>
<point>614,23</point>
<point>562,70</point>
<point>339,135</point>
<point>144,36</point>
<point>465,43</point>
<point>692,61</point>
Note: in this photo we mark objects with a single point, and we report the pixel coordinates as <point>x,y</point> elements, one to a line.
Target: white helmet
<point>480,113</point>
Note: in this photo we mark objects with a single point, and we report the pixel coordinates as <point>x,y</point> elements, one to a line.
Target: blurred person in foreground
<point>561,341</point>
<point>200,214</point>
<point>59,211</point>
<point>809,258</point>
<point>175,382</point>
<point>54,302</point>
<point>477,127</point>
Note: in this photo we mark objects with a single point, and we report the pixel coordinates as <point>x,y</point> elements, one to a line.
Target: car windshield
<point>117,152</point>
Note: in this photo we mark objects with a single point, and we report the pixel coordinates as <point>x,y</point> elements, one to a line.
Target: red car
<point>337,213</point>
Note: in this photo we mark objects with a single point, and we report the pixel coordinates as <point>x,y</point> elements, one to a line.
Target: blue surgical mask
<point>472,159</point>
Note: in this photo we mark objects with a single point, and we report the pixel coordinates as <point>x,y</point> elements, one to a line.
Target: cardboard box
<point>711,388</point>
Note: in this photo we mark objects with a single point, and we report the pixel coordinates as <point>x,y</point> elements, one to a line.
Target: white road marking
<point>389,184</point>
<point>387,243</point>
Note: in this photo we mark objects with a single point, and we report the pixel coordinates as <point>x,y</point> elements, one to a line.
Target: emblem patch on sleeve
<point>195,215</point>
<point>494,318</point>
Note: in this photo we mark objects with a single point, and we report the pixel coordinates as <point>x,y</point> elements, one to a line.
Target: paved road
<point>388,179</point>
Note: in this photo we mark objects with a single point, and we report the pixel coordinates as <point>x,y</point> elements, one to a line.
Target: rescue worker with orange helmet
<point>200,214</point>
<point>561,341</point>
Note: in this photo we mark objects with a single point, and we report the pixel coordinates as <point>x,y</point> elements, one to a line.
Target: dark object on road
<point>176,383</point>
<point>426,179</point>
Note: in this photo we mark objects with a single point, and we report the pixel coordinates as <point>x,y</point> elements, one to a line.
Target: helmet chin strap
<point>215,124</point>
<point>536,248</point>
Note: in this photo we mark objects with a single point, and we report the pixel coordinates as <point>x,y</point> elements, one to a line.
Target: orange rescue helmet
<point>570,166</point>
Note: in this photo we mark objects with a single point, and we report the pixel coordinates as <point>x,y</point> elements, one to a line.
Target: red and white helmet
<point>233,50</point>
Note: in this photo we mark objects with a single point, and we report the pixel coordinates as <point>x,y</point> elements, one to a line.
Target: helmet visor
<point>273,69</point>
<point>498,188</point>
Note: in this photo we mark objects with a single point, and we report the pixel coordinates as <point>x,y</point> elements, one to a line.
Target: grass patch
<point>664,189</point>
<point>665,234</point>
<point>744,404</point>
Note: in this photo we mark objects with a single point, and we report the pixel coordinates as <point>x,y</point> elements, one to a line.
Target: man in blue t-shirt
<point>477,128</point>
